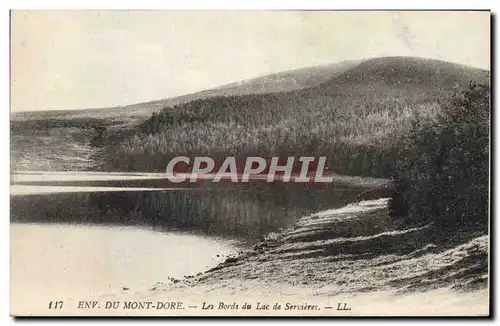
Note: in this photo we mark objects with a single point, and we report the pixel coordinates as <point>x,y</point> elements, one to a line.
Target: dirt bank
<point>351,251</point>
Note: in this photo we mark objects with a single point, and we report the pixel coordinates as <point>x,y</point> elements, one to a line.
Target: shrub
<point>443,172</point>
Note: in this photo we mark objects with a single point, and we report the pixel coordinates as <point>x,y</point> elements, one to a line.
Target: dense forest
<point>358,120</point>
<point>443,176</point>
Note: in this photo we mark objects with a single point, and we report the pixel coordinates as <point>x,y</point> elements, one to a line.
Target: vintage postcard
<point>250,163</point>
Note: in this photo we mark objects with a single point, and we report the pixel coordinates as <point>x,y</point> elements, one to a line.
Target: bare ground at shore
<point>356,254</point>
<point>353,255</point>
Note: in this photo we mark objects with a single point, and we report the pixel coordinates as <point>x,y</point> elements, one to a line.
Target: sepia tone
<point>397,103</point>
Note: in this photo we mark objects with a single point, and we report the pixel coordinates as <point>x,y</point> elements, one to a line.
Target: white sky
<point>89,59</point>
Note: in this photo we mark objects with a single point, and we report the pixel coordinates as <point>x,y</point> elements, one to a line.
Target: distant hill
<point>285,81</point>
<point>404,75</point>
<point>280,82</point>
<point>354,113</point>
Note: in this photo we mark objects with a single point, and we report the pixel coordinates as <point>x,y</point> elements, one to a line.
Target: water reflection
<point>245,210</point>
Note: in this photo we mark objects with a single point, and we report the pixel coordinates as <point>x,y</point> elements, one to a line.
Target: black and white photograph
<point>270,163</point>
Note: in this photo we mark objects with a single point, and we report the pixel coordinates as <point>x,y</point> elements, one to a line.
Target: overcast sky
<point>91,59</point>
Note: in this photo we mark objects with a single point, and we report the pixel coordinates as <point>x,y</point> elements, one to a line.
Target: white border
<point>186,4</point>
<point>255,4</point>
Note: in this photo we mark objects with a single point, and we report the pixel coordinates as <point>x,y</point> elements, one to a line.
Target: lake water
<point>72,240</point>
<point>68,235</point>
<point>55,259</point>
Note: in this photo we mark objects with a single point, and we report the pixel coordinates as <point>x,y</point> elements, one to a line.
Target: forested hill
<point>356,117</point>
<point>280,82</point>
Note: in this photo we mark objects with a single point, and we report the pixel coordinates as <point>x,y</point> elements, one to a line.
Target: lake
<point>92,232</point>
<point>81,259</point>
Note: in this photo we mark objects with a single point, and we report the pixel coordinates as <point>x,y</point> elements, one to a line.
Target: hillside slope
<point>403,77</point>
<point>356,118</point>
<point>279,82</point>
<point>353,112</point>
<point>77,132</point>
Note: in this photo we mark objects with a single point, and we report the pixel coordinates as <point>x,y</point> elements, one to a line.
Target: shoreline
<point>348,255</point>
<point>348,251</point>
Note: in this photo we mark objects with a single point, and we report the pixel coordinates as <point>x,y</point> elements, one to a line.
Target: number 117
<point>55,304</point>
